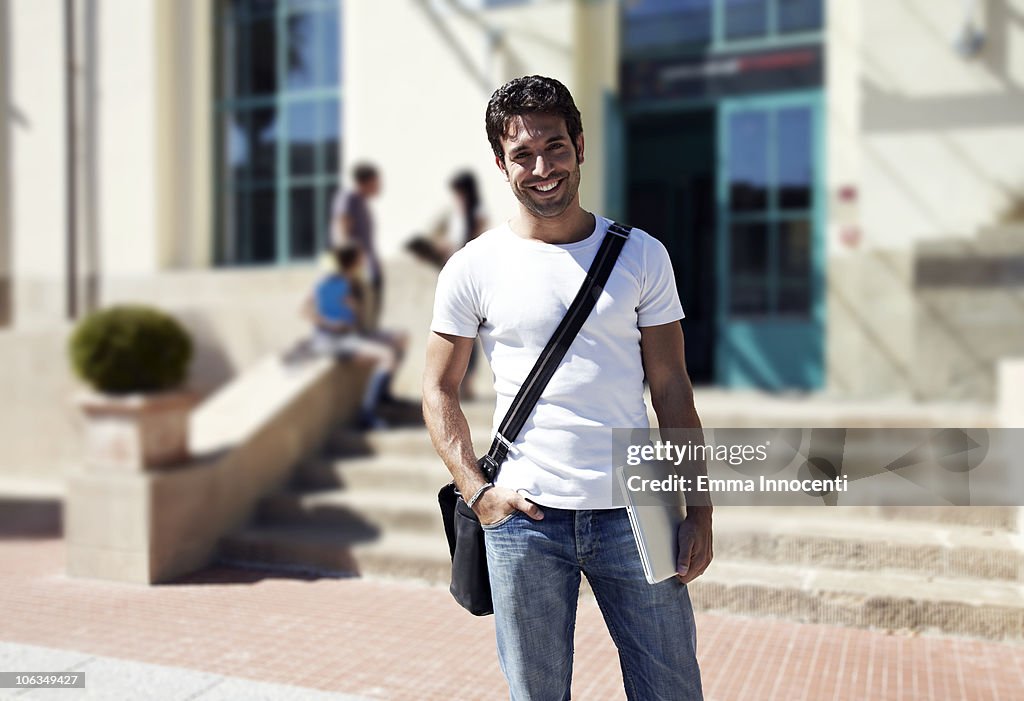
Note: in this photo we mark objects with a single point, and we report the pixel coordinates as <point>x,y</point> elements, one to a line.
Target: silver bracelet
<point>473,499</point>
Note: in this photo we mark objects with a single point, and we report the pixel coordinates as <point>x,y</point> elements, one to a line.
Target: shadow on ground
<point>231,574</point>
<point>402,412</point>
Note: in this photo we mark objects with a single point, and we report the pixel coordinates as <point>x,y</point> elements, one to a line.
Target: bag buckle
<point>489,467</point>
<point>509,448</point>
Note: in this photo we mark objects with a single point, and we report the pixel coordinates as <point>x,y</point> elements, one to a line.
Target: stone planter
<point>136,432</point>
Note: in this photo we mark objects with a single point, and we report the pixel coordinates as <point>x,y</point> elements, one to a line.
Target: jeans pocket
<point>502,522</point>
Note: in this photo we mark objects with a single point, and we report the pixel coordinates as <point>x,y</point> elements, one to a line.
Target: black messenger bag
<point>471,586</point>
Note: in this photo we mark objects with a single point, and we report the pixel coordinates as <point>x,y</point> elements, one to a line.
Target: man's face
<point>540,163</point>
<point>370,188</point>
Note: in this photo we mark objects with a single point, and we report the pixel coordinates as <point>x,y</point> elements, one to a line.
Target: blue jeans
<point>535,571</point>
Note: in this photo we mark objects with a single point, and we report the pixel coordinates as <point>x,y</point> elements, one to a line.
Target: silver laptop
<point>655,527</point>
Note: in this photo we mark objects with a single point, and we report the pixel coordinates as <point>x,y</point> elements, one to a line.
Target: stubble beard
<point>551,208</point>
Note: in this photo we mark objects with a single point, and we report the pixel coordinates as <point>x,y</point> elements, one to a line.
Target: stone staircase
<point>368,507</point>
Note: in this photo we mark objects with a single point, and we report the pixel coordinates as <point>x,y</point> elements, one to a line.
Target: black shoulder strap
<point>555,350</point>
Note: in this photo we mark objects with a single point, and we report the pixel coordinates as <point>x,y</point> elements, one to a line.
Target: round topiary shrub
<point>130,348</point>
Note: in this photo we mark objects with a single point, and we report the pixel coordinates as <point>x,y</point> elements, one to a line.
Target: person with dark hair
<point>549,517</point>
<point>352,221</point>
<point>333,308</point>
<point>462,224</point>
<point>467,220</point>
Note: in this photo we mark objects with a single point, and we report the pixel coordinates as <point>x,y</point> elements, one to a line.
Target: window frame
<point>230,248</point>
<point>718,42</point>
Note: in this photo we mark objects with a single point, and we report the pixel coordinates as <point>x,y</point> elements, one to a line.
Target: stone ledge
<point>157,526</point>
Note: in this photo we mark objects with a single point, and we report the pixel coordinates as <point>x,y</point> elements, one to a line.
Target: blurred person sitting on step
<point>333,310</point>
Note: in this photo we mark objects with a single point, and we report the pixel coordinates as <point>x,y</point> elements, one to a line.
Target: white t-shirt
<point>514,291</point>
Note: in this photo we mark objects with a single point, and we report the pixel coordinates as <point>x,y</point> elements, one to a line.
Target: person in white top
<point>467,219</point>
<point>550,517</point>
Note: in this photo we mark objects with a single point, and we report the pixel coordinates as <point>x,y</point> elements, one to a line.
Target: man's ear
<point>500,162</point>
<point>579,148</point>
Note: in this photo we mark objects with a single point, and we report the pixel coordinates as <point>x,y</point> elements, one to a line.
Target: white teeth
<point>546,188</point>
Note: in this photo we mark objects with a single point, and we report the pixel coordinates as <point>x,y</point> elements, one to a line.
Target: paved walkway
<point>226,633</point>
<point>113,679</point>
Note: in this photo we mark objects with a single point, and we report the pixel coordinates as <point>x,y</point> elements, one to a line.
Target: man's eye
<point>554,147</point>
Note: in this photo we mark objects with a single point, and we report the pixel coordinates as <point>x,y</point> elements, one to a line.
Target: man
<point>352,222</point>
<point>549,517</point>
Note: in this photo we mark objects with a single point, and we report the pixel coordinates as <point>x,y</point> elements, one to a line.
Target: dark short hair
<point>527,95</point>
<point>363,173</point>
<point>346,255</point>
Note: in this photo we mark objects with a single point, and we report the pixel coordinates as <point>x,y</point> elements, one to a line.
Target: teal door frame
<point>772,349</point>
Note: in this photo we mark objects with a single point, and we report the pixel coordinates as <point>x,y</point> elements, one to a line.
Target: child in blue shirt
<point>334,310</point>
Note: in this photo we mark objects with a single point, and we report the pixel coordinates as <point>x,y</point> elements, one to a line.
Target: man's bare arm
<point>664,361</point>
<point>447,359</point>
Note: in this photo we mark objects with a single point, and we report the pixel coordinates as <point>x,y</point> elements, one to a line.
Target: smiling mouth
<point>547,187</point>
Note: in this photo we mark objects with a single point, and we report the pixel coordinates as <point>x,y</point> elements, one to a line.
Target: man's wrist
<point>471,501</point>
<point>699,514</point>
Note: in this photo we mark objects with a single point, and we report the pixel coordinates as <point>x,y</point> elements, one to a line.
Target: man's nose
<point>541,167</point>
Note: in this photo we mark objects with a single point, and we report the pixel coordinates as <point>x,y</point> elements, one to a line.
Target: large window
<point>697,25</point>
<point>279,125</point>
<point>770,180</point>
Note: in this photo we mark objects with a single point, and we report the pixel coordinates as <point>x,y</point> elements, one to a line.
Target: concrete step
<point>895,601</point>
<point>338,553</point>
<point>1001,239</point>
<point>359,511</point>
<point>332,553</point>
<point>413,473</point>
<point>404,441</point>
<point>813,537</point>
<point>409,440</point>
<point>380,495</point>
<point>1003,518</point>
<point>729,408</point>
<point>721,408</point>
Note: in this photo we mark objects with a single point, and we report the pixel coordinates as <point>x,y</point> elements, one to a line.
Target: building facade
<point>837,182</point>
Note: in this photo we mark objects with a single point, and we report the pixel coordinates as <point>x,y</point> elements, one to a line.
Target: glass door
<point>770,305</point>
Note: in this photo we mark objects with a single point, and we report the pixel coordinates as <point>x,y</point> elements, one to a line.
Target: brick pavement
<point>404,640</point>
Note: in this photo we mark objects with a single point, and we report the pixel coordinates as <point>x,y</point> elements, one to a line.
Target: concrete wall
<point>128,137</point>
<point>184,55</point>
<point>596,66</point>
<point>6,111</point>
<point>933,143</point>
<point>34,118</point>
<point>942,136</point>
<point>235,316</point>
<point>39,429</point>
<point>969,313</point>
<point>144,143</point>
